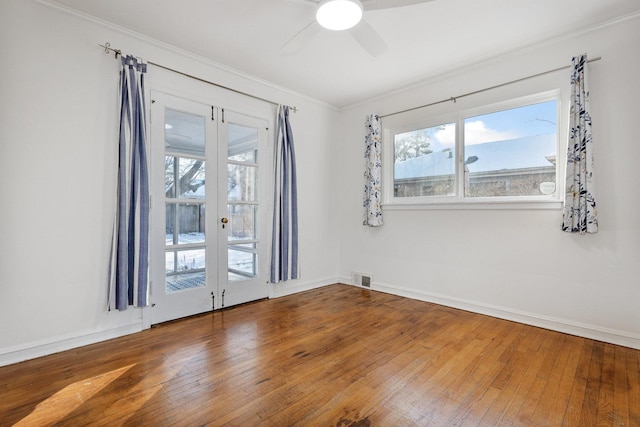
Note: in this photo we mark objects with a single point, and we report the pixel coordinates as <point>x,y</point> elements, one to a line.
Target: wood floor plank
<point>605,415</point>
<point>474,382</point>
<point>550,352</point>
<point>633,383</point>
<point>549,411</point>
<point>507,382</point>
<point>335,356</point>
<point>620,388</point>
<point>575,399</point>
<point>592,386</point>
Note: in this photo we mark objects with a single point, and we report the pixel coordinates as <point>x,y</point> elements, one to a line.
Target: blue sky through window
<point>530,120</point>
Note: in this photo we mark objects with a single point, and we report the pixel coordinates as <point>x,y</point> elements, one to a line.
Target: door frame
<point>180,86</point>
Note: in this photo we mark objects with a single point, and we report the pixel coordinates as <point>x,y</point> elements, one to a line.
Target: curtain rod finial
<point>108,49</point>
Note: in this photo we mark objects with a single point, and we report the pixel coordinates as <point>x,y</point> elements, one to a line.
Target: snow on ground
<point>195,259</point>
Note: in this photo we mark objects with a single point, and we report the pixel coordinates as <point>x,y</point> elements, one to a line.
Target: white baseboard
<point>33,350</point>
<point>598,333</point>
<point>44,348</point>
<point>41,348</point>
<point>294,286</point>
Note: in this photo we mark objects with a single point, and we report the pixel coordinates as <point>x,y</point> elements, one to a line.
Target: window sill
<point>477,205</point>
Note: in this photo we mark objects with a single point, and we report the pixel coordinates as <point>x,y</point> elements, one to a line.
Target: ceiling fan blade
<point>368,38</point>
<point>388,4</point>
<point>301,39</point>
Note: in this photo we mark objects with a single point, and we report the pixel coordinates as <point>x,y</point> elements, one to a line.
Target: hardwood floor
<point>335,356</point>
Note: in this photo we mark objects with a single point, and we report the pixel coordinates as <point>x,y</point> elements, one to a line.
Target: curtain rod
<point>455,98</point>
<point>108,49</point>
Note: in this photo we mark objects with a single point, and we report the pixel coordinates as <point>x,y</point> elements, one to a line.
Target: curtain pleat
<point>129,267</point>
<point>372,202</point>
<point>580,214</point>
<point>285,263</point>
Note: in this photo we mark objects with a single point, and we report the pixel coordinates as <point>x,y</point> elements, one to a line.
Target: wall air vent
<point>366,281</point>
<point>360,279</point>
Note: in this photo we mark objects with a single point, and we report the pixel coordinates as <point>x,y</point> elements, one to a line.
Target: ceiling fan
<point>340,15</point>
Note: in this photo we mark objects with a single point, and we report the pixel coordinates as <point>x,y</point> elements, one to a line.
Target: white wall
<point>516,264</point>
<point>58,145</point>
<point>58,107</point>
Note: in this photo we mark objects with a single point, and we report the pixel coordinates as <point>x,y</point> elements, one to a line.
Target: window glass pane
<point>188,226</point>
<point>424,162</point>
<point>242,222</point>
<point>241,182</point>
<point>184,133</point>
<point>242,144</point>
<point>511,152</point>
<point>243,262</point>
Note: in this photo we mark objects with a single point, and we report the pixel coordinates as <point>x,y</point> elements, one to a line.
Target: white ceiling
<point>424,40</point>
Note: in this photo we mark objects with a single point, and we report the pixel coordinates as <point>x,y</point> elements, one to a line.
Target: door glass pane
<point>242,182</point>
<point>243,260</point>
<point>425,162</point>
<point>184,179</point>
<point>170,173</point>
<point>247,156</point>
<point>184,133</point>
<point>188,227</point>
<point>185,174</point>
<point>185,269</point>
<point>182,261</point>
<point>242,194</point>
<point>170,224</point>
<point>242,144</point>
<point>242,222</point>
<point>191,178</point>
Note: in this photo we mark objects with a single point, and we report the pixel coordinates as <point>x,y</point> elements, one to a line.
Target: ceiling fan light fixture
<point>339,14</point>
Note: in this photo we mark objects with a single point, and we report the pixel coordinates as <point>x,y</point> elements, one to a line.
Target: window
<point>493,154</point>
<point>418,169</point>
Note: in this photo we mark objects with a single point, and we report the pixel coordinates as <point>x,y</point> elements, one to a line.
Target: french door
<point>207,216</point>
<point>243,247</point>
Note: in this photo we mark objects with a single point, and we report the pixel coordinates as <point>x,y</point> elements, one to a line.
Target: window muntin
<point>505,153</point>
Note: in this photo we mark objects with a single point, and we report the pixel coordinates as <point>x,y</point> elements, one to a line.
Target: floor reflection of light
<point>62,403</point>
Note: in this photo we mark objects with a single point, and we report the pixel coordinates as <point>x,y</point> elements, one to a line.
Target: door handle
<point>224,221</point>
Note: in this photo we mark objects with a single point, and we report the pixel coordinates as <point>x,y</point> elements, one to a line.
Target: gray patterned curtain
<point>129,272</point>
<point>285,263</point>
<point>372,201</point>
<point>580,213</point>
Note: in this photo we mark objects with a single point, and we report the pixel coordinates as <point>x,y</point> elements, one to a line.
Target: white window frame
<point>403,123</point>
